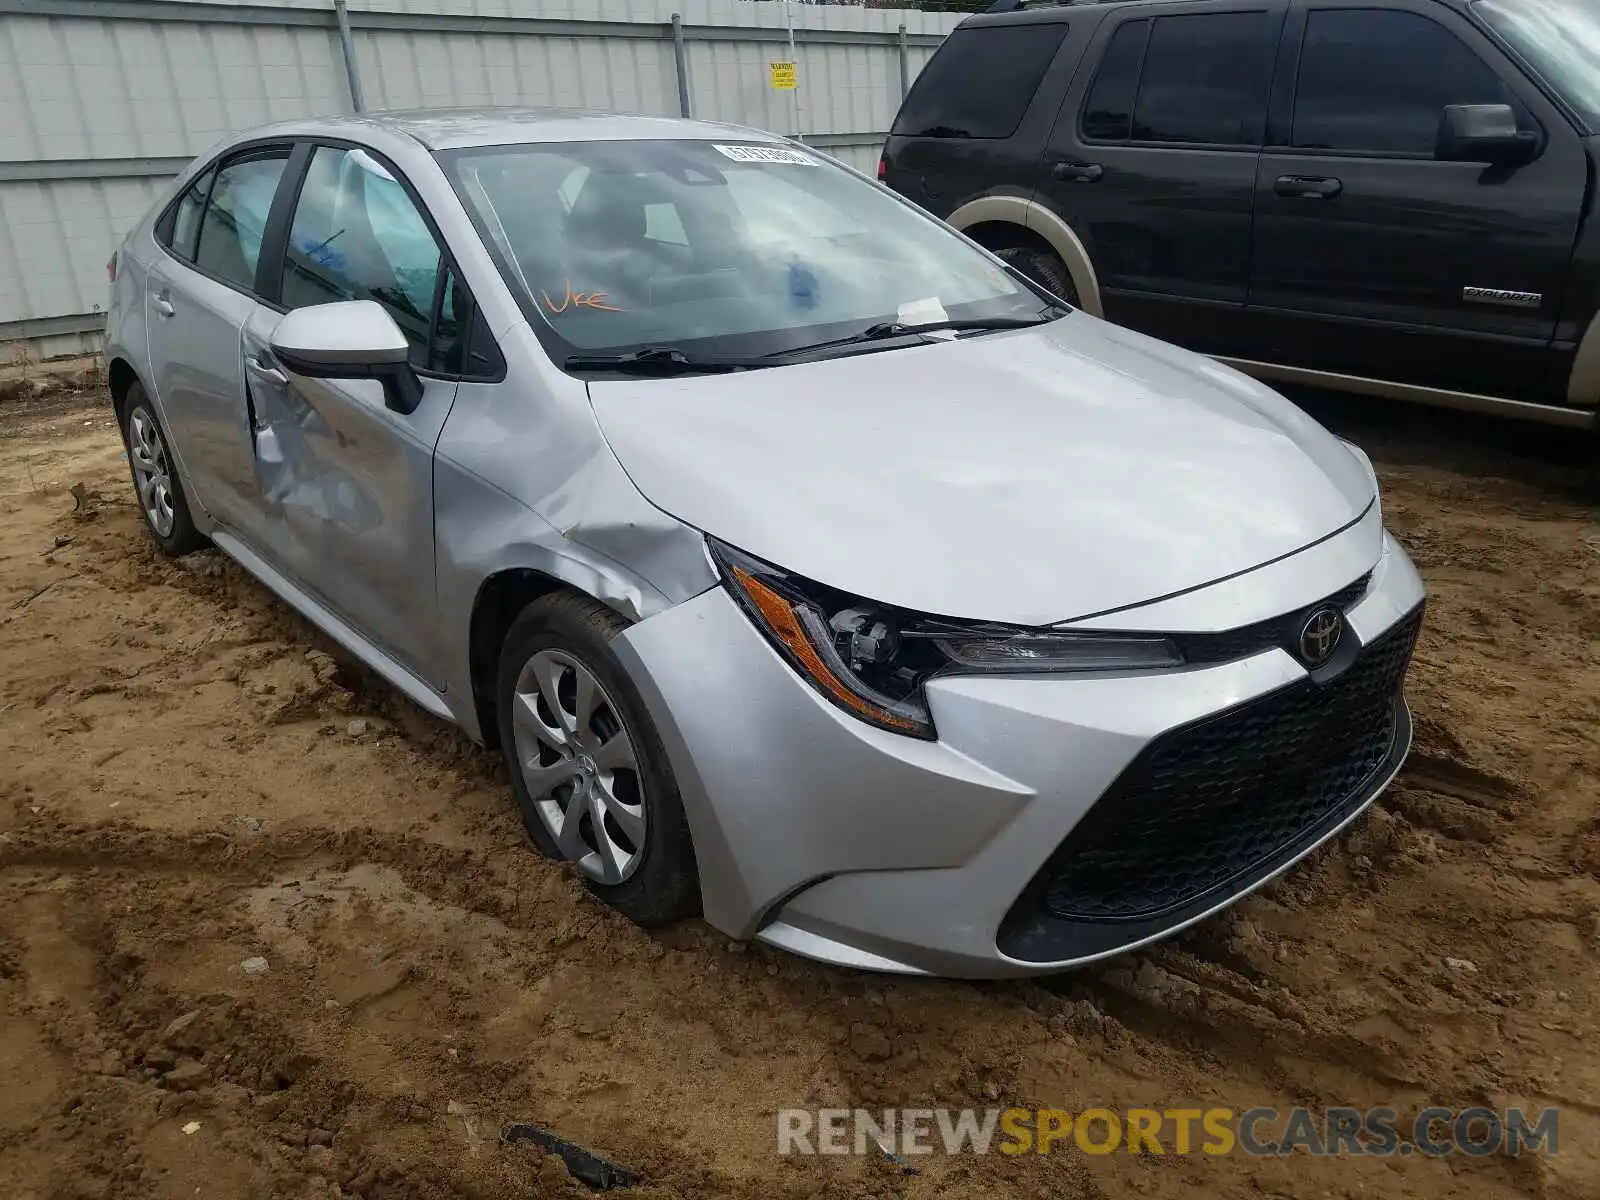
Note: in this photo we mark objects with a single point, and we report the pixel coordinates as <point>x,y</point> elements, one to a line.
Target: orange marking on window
<point>572,299</point>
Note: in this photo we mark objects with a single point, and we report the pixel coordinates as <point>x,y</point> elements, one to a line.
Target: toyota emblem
<point>1319,636</point>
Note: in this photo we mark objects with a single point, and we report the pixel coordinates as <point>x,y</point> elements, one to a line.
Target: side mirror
<point>1485,133</point>
<point>351,339</point>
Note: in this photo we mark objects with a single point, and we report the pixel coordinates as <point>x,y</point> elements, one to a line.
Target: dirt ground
<point>190,778</point>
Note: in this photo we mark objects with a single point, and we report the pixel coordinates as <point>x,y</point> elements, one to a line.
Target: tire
<point>156,486</point>
<point>565,769</point>
<point>1044,268</point>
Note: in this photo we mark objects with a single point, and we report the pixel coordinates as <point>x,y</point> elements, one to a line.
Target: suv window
<point>1108,114</point>
<point>980,82</point>
<point>234,220</point>
<point>1376,81</point>
<point>357,235</point>
<point>1205,80</point>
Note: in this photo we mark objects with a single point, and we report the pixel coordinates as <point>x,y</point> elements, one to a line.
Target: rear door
<point>202,292</point>
<point>347,481</point>
<point>975,120</point>
<point>1153,162</point>
<point>1373,259</point>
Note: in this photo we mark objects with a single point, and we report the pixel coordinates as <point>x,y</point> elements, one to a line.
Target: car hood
<point>1033,477</point>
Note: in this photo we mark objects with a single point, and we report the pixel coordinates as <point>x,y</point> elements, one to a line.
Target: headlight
<point>872,660</point>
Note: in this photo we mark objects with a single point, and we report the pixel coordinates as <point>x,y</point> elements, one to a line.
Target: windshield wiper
<point>892,329</point>
<point>658,360</point>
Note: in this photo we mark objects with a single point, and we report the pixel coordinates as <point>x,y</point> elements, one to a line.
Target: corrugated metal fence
<point>102,100</point>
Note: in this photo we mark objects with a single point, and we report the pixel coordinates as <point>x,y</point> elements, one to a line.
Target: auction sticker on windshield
<point>766,154</point>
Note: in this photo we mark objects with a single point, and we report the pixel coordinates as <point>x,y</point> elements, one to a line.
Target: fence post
<point>680,59</point>
<point>905,63</point>
<point>347,42</point>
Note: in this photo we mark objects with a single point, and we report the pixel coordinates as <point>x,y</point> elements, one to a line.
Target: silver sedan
<point>811,569</point>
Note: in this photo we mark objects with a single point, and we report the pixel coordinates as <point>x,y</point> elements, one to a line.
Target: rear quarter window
<point>980,82</point>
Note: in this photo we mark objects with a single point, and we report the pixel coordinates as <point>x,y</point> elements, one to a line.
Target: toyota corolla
<point>811,569</point>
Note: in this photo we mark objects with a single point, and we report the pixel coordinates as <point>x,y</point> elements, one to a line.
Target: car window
<point>1205,80</point>
<point>357,235</point>
<point>769,208</point>
<point>570,186</point>
<point>1377,80</point>
<point>980,81</point>
<point>663,224</point>
<point>727,249</point>
<point>1109,111</point>
<point>230,231</point>
<point>182,224</point>
<point>448,346</point>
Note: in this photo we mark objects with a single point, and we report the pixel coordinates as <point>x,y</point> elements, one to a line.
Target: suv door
<point>1153,163</point>
<point>1374,259</point>
<point>348,481</point>
<point>973,122</point>
<point>201,294</point>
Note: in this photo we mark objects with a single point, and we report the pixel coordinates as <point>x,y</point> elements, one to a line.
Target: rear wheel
<point>1043,267</point>
<point>155,477</point>
<point>589,774</point>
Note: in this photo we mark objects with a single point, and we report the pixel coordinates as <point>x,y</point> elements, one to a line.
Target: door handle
<point>163,305</point>
<point>1077,172</point>
<point>1308,187</point>
<point>266,374</point>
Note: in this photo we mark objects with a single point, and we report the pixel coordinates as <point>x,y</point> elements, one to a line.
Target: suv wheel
<point>587,768</point>
<point>155,478</point>
<point>1044,268</point>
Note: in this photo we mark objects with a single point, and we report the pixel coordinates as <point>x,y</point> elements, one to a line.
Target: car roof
<point>455,128</point>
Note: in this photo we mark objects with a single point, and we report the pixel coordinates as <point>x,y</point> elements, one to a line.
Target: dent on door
<point>282,427</point>
<point>346,487</point>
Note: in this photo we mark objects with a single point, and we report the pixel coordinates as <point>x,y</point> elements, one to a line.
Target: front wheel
<point>162,502</point>
<point>588,771</point>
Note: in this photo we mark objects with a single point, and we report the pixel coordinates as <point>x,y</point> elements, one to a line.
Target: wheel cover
<point>152,474</point>
<point>578,763</point>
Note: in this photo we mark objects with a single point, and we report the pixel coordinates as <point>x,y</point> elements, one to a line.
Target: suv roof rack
<point>1005,6</point>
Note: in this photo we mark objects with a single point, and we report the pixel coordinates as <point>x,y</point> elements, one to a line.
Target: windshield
<point>726,250</point>
<point>1561,38</point>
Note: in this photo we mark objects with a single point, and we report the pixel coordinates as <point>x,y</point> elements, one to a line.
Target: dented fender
<point>524,480</point>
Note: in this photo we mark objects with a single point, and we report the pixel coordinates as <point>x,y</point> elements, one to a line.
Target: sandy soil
<point>181,790</point>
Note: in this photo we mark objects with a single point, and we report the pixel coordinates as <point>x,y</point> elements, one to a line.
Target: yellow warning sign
<point>784,78</point>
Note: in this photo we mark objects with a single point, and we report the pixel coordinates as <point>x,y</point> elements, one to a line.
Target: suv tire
<point>1044,268</point>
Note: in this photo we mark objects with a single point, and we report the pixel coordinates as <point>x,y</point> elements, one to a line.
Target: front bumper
<point>846,843</point>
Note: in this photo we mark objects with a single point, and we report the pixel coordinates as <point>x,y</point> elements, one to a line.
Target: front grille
<point>1232,644</point>
<point>1203,805</point>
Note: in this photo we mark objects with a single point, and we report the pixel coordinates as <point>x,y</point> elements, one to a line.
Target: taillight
<point>883,167</point>
<point>111,268</point>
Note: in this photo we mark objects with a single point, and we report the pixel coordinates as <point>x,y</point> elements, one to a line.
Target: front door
<point>346,481</point>
<point>201,295</point>
<point>1373,259</point>
<point>1153,164</point>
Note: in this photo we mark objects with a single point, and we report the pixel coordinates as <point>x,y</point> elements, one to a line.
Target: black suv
<point>1382,196</point>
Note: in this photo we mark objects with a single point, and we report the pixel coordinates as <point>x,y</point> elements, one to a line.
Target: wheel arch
<point>121,377</point>
<point>1583,381</point>
<point>500,599</point>
<point>998,216</point>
